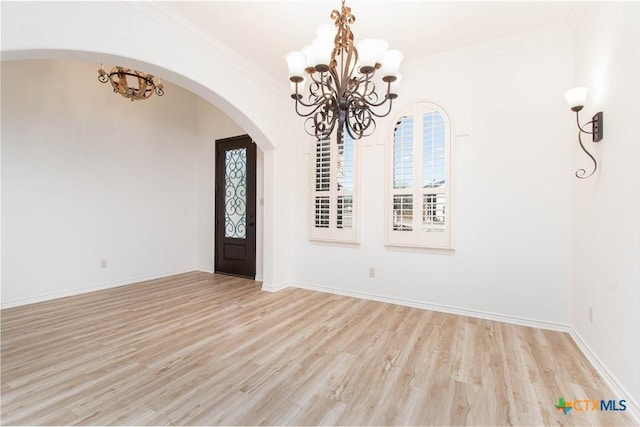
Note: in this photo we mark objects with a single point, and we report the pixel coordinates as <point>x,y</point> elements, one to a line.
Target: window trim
<point>333,235</point>
<point>416,240</point>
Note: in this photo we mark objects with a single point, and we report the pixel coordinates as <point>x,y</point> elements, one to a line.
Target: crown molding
<point>197,36</point>
<point>500,47</point>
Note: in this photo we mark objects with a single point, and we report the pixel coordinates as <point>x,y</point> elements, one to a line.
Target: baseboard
<point>522,321</point>
<point>274,288</point>
<point>612,382</point>
<point>77,291</point>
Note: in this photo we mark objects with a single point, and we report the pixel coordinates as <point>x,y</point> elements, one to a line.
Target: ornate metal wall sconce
<point>576,99</point>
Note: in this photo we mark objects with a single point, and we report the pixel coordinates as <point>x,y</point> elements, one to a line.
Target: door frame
<point>241,141</point>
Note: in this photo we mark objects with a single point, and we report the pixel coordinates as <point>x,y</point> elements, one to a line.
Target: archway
<point>143,36</point>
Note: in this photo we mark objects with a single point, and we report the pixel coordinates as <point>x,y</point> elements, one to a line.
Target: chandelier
<point>134,85</point>
<point>342,80</point>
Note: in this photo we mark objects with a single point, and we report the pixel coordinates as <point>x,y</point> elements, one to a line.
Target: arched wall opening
<point>120,34</point>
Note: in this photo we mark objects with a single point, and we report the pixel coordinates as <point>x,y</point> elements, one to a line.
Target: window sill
<point>328,242</point>
<point>419,249</point>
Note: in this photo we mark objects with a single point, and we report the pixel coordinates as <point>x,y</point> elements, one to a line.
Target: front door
<point>236,206</point>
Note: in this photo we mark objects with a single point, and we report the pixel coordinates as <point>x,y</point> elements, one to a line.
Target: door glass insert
<point>235,193</point>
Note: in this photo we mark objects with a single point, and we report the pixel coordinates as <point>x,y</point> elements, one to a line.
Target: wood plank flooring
<point>204,349</point>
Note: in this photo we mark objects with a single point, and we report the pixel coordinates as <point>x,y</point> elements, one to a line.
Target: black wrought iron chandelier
<point>341,77</point>
<point>141,86</point>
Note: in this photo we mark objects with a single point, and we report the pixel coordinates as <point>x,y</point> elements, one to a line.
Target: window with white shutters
<point>419,205</point>
<point>334,195</point>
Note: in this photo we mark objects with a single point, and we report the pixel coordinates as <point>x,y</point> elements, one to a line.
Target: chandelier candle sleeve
<point>393,89</point>
<point>332,80</point>
<point>295,90</point>
<point>296,63</point>
<point>391,63</point>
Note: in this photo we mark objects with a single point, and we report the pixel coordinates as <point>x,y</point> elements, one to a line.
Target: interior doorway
<point>235,198</point>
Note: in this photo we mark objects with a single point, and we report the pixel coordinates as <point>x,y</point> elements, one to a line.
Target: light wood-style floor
<point>198,349</point>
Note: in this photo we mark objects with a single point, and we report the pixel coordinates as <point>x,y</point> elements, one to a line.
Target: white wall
<point>88,175</point>
<point>607,206</point>
<point>513,185</point>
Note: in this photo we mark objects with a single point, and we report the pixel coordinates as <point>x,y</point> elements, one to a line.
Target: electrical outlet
<point>104,263</point>
<point>372,272</point>
<point>590,314</point>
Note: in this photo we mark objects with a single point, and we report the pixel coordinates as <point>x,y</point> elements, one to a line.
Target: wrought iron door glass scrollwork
<point>235,194</point>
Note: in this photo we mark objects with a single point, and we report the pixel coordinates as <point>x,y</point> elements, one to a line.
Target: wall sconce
<point>576,99</point>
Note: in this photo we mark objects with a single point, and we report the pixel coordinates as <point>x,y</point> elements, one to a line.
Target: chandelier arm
<point>313,105</point>
<point>324,83</point>
<point>370,99</point>
<point>312,75</point>
<point>324,122</point>
<point>318,101</point>
<point>388,110</point>
<point>320,85</point>
<point>368,125</point>
<point>317,98</point>
<point>309,128</point>
<point>315,92</point>
<point>367,78</point>
<point>316,106</point>
<point>384,100</point>
<point>350,131</point>
<point>359,118</point>
<point>327,91</point>
<point>379,104</point>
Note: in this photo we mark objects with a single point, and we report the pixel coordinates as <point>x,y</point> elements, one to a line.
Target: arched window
<point>334,193</point>
<point>419,205</point>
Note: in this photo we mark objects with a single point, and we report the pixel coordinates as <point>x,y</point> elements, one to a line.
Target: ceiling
<point>264,31</point>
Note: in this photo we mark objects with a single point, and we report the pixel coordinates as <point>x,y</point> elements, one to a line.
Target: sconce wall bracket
<point>597,127</point>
